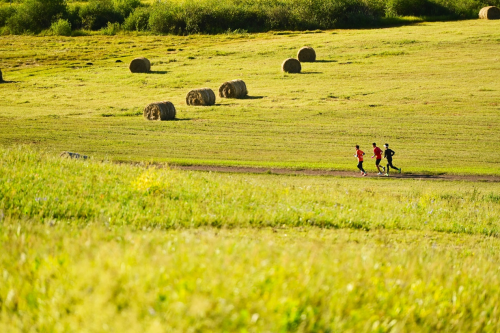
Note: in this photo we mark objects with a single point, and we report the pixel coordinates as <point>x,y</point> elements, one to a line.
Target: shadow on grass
<point>306,73</point>
<point>253,97</point>
<point>326,61</point>
<point>158,72</point>
<point>182,119</point>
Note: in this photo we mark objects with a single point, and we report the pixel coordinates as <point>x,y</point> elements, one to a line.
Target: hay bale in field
<point>291,65</point>
<point>140,65</point>
<point>202,96</point>
<point>489,13</point>
<point>233,89</point>
<point>160,111</point>
<point>306,54</point>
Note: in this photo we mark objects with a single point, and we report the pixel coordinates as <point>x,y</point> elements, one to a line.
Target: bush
<point>219,16</point>
<point>61,28</point>
<point>35,15</point>
<point>138,20</point>
<point>112,29</point>
<point>166,18</point>
<point>416,8</point>
<point>6,13</point>
<point>97,13</point>
<point>74,17</point>
<point>125,7</point>
<point>465,8</point>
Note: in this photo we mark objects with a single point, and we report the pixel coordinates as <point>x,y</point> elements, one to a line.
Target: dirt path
<point>312,172</point>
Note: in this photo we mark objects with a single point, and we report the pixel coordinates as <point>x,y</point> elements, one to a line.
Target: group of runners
<point>377,153</point>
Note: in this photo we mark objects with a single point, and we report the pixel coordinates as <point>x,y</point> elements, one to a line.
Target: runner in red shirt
<point>359,154</point>
<point>377,152</point>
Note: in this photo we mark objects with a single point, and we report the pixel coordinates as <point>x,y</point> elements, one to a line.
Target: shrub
<point>111,29</point>
<point>6,13</point>
<point>97,13</point>
<point>465,8</point>
<point>278,18</point>
<point>125,7</point>
<point>219,16</point>
<point>138,20</point>
<point>415,8</point>
<point>36,15</point>
<point>166,18</point>
<point>61,28</point>
<point>74,17</point>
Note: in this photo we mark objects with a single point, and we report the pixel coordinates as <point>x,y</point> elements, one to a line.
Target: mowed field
<point>98,246</point>
<point>430,90</point>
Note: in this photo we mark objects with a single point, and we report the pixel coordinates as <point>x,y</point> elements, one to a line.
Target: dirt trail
<point>312,172</point>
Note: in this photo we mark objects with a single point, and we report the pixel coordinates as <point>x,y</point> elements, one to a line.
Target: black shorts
<point>377,161</point>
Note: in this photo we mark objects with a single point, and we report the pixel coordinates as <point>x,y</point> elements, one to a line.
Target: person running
<point>377,152</point>
<point>388,154</point>
<point>359,154</point>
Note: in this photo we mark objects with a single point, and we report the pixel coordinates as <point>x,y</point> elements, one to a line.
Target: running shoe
<point>399,170</point>
<point>380,173</point>
<point>364,175</point>
<point>383,168</point>
<point>387,174</point>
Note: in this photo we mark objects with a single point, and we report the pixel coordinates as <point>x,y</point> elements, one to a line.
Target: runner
<point>359,154</point>
<point>377,152</point>
<point>388,154</point>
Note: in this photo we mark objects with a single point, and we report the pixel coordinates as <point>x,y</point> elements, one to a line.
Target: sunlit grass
<point>430,90</point>
<point>47,188</point>
<point>61,278</point>
<point>93,246</point>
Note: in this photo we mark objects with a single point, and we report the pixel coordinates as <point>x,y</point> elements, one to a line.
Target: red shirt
<point>378,153</point>
<point>360,155</point>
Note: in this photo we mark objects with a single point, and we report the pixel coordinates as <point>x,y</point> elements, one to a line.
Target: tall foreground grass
<point>37,186</point>
<point>94,279</point>
<point>90,246</point>
<point>215,16</point>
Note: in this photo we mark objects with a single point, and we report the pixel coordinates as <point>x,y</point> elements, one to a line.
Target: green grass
<point>430,90</point>
<point>46,188</point>
<point>59,279</point>
<point>93,246</point>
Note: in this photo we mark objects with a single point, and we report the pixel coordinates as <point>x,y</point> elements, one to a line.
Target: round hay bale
<point>140,65</point>
<point>489,13</point>
<point>160,111</point>
<point>202,96</point>
<point>306,54</point>
<point>291,65</point>
<point>233,89</point>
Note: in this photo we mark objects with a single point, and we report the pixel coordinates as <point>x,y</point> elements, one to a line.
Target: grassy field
<point>430,90</point>
<point>93,246</point>
<point>98,246</point>
<point>48,188</point>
